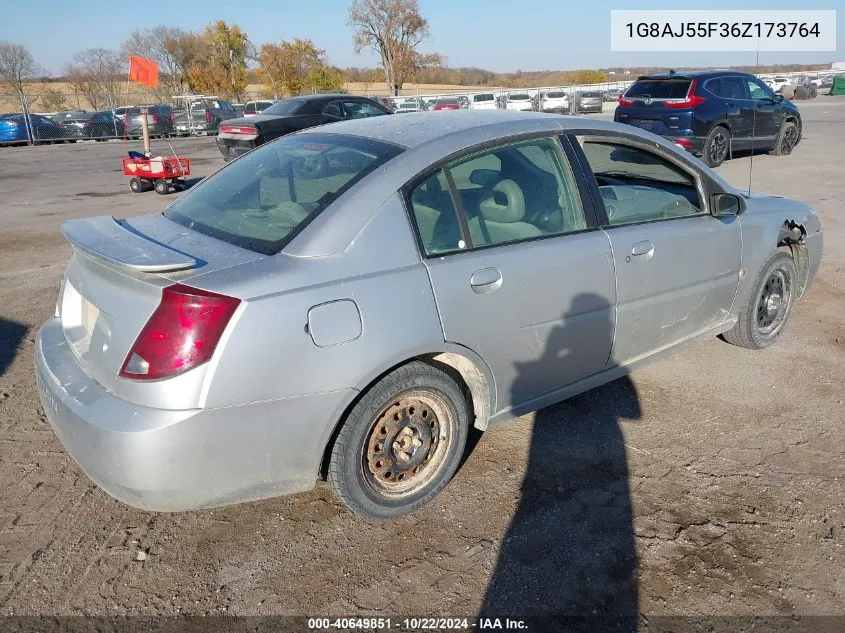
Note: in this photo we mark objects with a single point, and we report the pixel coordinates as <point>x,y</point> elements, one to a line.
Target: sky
<point>498,35</point>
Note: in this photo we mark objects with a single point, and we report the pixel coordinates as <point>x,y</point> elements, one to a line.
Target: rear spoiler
<point>114,242</point>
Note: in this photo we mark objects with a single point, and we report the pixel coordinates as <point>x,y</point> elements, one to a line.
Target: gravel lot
<point>712,483</point>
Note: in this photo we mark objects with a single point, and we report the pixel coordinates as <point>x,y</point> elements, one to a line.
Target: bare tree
<point>392,28</point>
<point>17,68</point>
<point>100,75</point>
<point>170,48</point>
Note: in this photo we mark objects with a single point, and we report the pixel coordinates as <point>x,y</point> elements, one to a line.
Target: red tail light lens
<point>207,116</point>
<point>181,334</point>
<point>172,118</point>
<point>690,101</point>
<point>623,101</point>
<point>238,129</point>
<point>154,118</point>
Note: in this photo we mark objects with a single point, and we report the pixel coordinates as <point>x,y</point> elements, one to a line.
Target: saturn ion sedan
<point>347,301</point>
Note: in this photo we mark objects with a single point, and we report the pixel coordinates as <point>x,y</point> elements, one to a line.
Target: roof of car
<point>412,130</point>
<point>691,74</point>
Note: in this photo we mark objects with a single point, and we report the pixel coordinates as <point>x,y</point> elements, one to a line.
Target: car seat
<point>501,216</point>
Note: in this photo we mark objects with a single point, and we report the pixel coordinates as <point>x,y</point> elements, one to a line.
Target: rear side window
<point>249,109</point>
<point>435,216</point>
<point>263,199</point>
<point>727,87</point>
<point>659,88</point>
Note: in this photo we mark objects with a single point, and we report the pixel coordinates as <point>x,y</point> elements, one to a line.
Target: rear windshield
<point>660,88</point>
<point>447,101</point>
<point>519,97</point>
<point>286,106</point>
<point>590,94</point>
<point>478,98</point>
<point>263,199</point>
<point>556,95</point>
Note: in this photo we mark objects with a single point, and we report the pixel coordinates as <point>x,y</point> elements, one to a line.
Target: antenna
<point>753,124</point>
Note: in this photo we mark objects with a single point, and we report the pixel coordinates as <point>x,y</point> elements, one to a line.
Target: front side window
<point>516,192</point>
<point>262,200</point>
<point>758,91</point>
<point>334,109</point>
<point>362,109</point>
<point>637,185</point>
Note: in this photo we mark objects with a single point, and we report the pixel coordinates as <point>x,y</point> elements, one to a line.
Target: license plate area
<point>79,317</point>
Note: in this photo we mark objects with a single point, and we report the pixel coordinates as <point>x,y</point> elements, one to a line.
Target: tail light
<point>207,116</point>
<point>181,334</point>
<point>623,101</point>
<point>683,142</point>
<point>238,129</point>
<point>154,118</point>
<point>172,118</point>
<point>690,101</point>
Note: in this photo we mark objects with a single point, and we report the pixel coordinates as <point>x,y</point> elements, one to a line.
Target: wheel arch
<point>463,365</point>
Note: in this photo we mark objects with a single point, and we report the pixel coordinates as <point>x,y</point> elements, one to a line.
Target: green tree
<point>219,64</point>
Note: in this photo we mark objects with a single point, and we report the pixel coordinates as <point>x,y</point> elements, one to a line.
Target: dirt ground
<point>710,484</point>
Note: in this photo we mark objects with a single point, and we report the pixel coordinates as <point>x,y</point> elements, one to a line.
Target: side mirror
<point>726,204</point>
<point>777,98</point>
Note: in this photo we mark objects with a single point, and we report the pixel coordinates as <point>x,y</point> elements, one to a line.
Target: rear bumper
<point>232,148</point>
<point>164,460</point>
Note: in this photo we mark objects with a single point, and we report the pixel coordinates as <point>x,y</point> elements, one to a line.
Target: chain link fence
<point>55,112</point>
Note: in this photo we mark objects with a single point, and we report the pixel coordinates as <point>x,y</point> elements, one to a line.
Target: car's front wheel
<point>401,443</point>
<point>787,139</point>
<point>766,312</point>
<point>717,146</point>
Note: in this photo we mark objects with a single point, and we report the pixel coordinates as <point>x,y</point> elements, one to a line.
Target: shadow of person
<point>569,553</point>
<point>11,335</point>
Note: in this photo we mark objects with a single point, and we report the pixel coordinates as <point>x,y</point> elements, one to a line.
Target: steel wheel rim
<point>789,139</point>
<point>773,303</point>
<point>719,148</point>
<point>406,444</point>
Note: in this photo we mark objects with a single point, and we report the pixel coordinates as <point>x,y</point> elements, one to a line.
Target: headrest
<point>505,203</point>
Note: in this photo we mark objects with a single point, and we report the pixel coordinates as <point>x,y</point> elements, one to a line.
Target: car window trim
<point>555,136</point>
<point>703,187</point>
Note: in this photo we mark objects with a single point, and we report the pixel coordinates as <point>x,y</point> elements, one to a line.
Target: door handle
<point>643,247</point>
<point>486,280</point>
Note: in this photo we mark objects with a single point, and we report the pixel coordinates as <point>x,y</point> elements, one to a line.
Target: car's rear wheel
<point>717,146</point>
<point>401,443</point>
<point>766,312</point>
<point>786,140</point>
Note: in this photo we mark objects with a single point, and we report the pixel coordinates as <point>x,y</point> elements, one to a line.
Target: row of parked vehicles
<point>558,101</point>
<point>198,116</point>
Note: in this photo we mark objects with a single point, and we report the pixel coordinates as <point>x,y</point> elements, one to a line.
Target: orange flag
<point>144,71</point>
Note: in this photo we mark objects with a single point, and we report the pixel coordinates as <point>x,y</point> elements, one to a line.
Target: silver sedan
<point>346,302</point>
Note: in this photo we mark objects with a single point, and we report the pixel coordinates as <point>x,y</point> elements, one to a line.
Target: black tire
<point>161,186</point>
<point>136,185</point>
<point>717,146</point>
<point>787,139</point>
<point>766,312</point>
<point>408,416</point>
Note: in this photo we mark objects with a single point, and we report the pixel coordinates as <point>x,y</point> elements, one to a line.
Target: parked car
<point>60,117</point>
<point>711,113</point>
<point>447,103</point>
<point>161,120</point>
<point>410,105</point>
<point>250,337</point>
<point>554,101</point>
<point>93,125</point>
<point>483,101</point>
<point>206,115</point>
<point>463,101</point>
<point>777,84</point>
<point>519,101</point>
<point>251,108</point>
<point>428,102</point>
<point>238,136</point>
<point>239,109</point>
<point>587,101</point>
<point>14,131</point>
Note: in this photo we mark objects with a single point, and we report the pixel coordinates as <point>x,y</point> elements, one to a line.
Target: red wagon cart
<point>159,173</point>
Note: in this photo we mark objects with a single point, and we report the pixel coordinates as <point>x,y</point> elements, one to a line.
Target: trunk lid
<point>113,283</point>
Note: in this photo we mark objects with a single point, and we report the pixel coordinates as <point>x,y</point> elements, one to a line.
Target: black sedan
<point>238,136</point>
<point>93,125</point>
